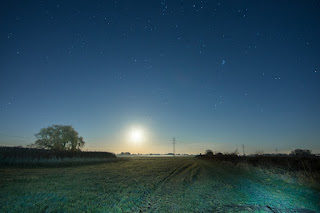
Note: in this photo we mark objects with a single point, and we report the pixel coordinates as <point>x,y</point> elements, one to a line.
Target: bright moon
<point>136,135</point>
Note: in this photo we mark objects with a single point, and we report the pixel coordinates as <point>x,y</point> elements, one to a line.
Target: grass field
<point>142,184</point>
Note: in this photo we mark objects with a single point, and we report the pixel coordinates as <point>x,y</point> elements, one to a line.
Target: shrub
<point>33,156</point>
<point>209,153</point>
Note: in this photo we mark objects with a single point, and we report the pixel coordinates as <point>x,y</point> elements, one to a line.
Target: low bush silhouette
<point>209,153</point>
<point>292,163</point>
<point>301,152</point>
<point>33,156</point>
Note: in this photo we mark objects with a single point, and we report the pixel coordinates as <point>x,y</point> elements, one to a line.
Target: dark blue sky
<point>215,74</point>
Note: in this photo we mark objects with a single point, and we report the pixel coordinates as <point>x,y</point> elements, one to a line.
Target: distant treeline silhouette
<point>292,162</point>
<point>33,153</point>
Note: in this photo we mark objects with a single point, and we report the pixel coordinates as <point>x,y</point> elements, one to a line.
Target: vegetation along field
<point>142,184</point>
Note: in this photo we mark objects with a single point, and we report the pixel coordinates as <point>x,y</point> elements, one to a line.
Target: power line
<point>243,150</point>
<point>174,146</point>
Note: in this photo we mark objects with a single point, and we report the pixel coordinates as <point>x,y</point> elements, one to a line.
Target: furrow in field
<point>175,173</point>
<point>175,183</point>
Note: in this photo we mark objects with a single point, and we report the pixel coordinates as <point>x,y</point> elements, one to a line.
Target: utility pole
<point>174,146</point>
<point>243,150</point>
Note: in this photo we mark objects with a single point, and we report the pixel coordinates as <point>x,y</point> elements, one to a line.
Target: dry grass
<point>300,170</point>
<point>183,184</point>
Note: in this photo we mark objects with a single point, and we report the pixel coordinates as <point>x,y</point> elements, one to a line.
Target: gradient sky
<point>214,74</point>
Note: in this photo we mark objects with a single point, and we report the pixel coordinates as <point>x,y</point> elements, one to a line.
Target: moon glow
<point>136,135</point>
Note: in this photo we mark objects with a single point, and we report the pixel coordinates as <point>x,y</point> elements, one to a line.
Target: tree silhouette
<point>209,153</point>
<point>301,152</point>
<point>59,137</point>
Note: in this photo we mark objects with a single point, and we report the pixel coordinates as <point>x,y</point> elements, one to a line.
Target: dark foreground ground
<point>181,184</point>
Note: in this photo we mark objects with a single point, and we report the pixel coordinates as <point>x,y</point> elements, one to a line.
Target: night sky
<point>214,74</point>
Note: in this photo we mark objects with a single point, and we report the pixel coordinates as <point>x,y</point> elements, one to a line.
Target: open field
<point>183,184</point>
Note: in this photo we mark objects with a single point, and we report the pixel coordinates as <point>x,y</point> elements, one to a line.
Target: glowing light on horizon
<point>136,135</point>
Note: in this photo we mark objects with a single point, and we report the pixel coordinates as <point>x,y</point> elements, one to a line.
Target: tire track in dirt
<point>176,180</point>
<point>194,172</point>
<point>175,173</point>
<point>186,173</point>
